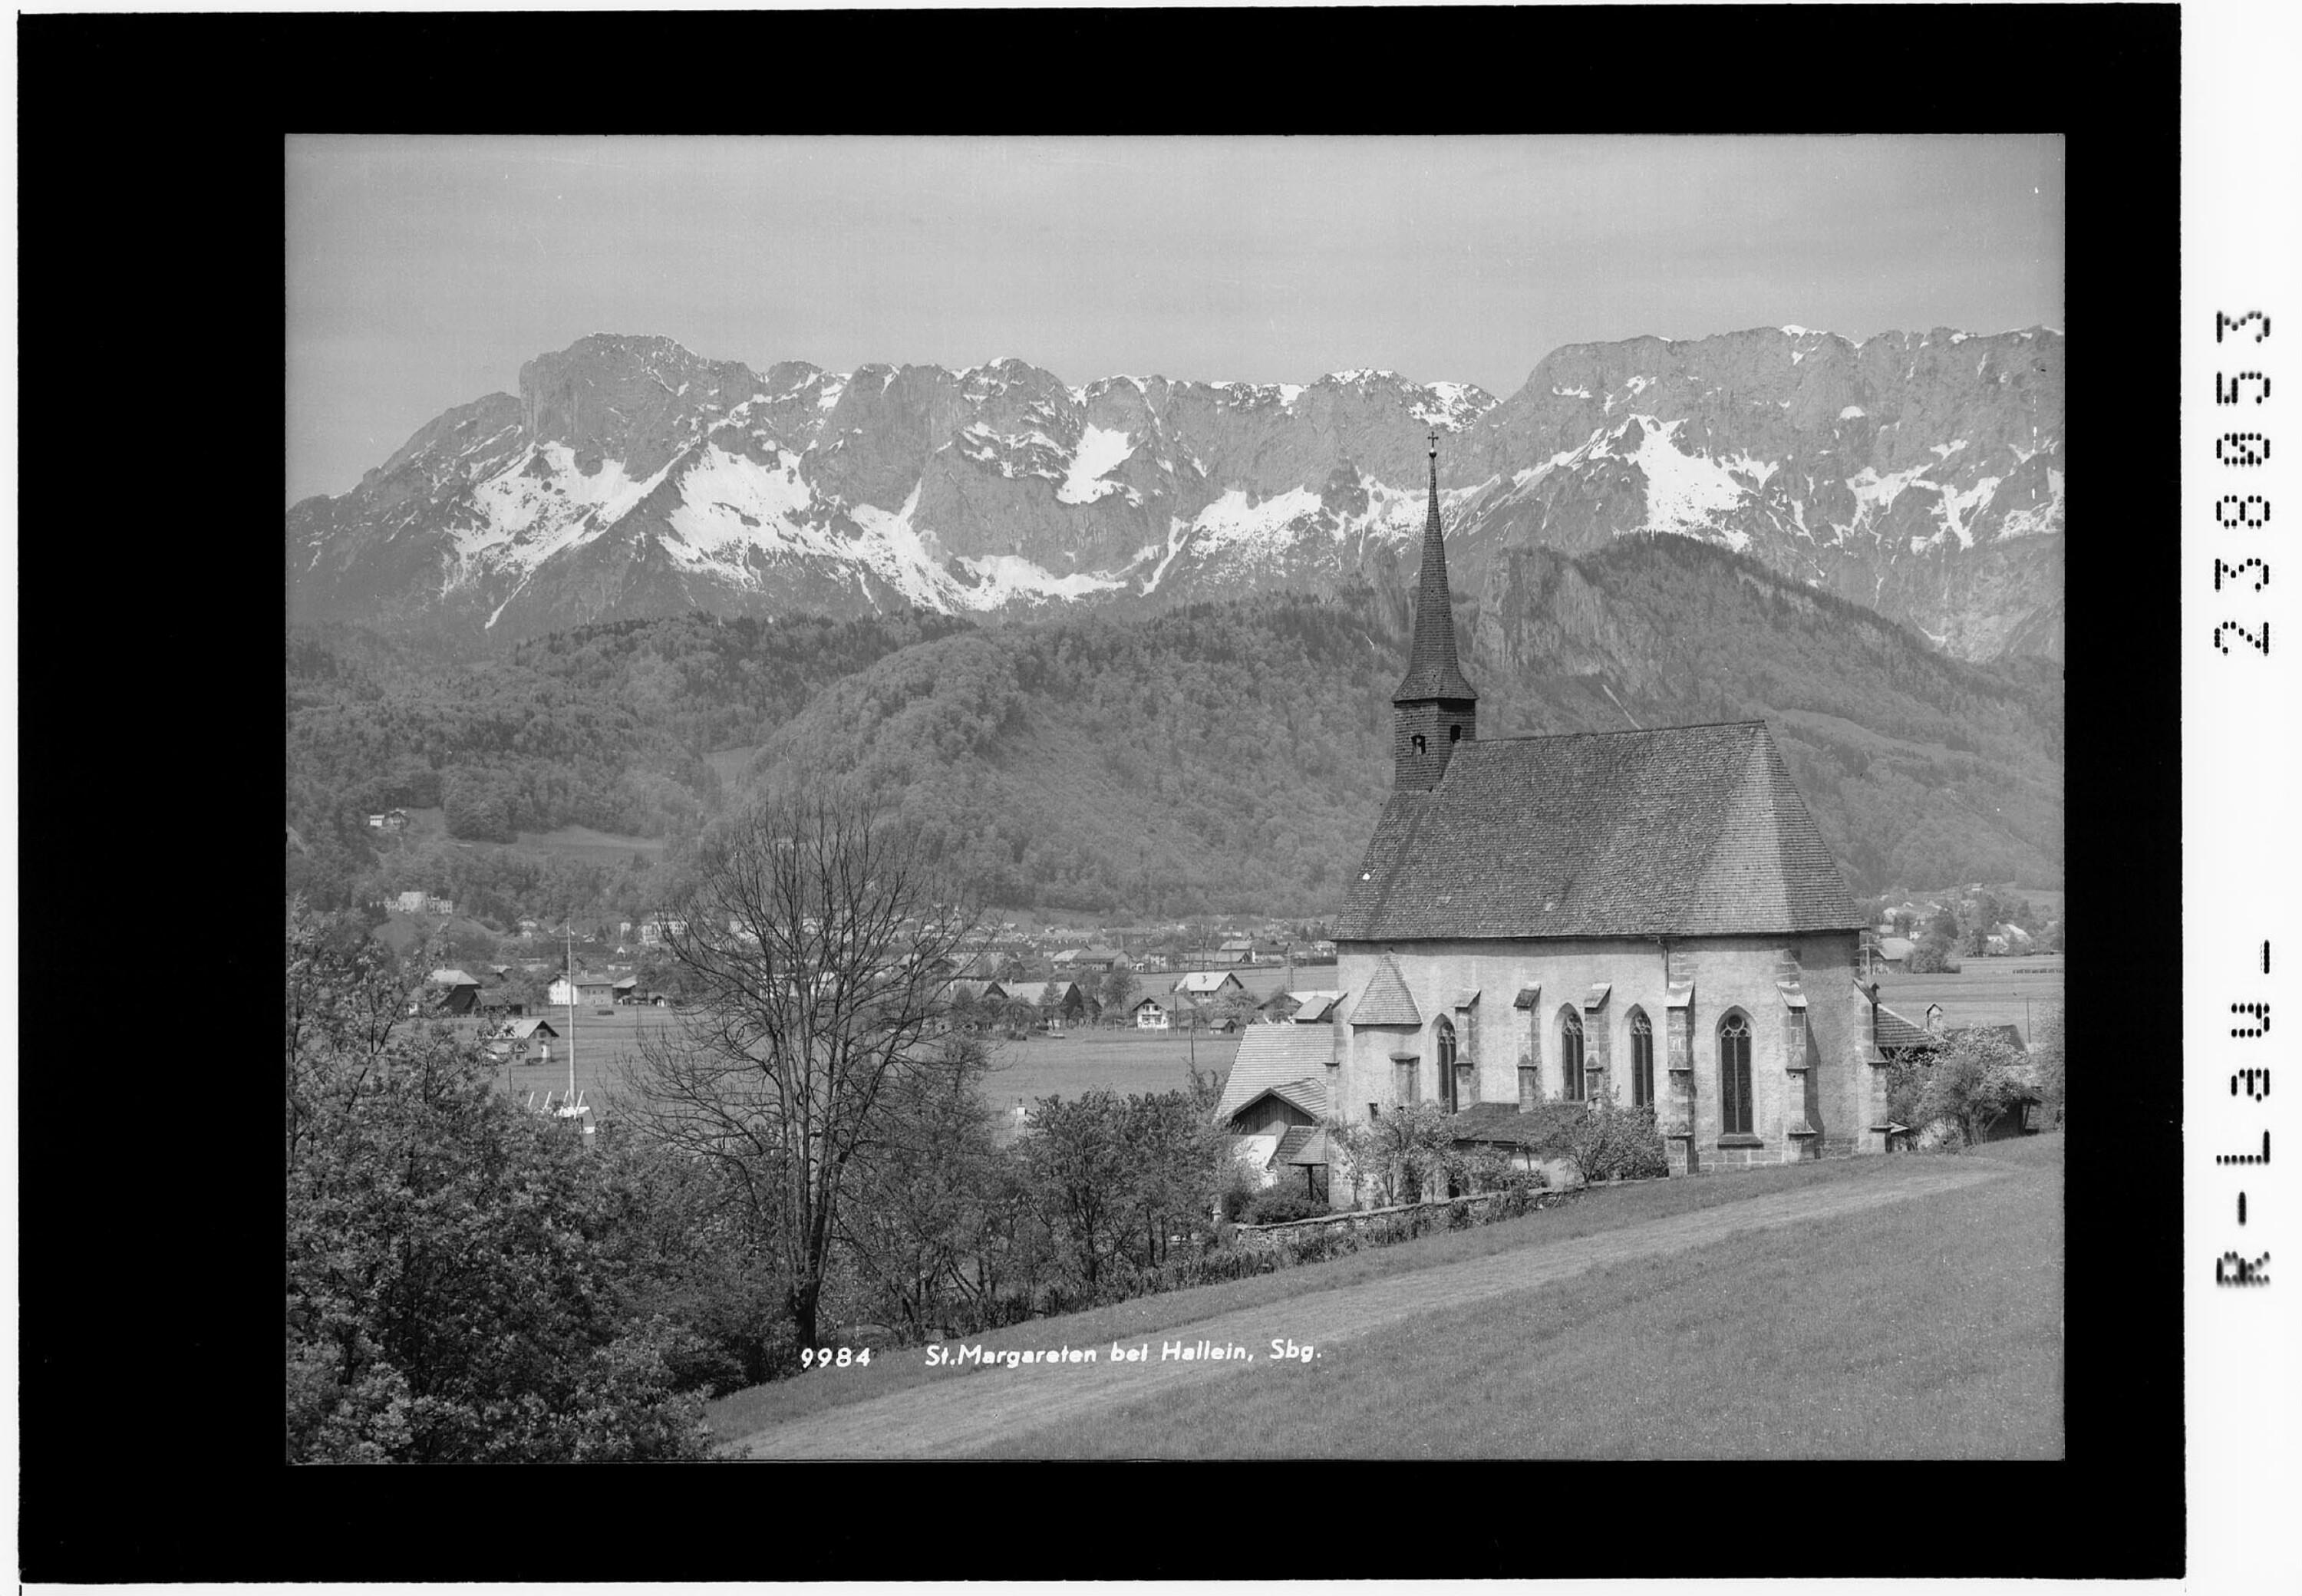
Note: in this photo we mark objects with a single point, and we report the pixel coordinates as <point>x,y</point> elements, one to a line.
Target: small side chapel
<point>1649,916</point>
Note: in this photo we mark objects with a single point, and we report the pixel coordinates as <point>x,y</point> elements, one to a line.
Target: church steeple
<point>1435,707</point>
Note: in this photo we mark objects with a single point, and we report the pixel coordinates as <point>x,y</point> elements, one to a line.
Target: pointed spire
<point>1432,670</point>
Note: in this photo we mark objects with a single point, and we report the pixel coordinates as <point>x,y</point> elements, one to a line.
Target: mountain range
<point>1917,475</point>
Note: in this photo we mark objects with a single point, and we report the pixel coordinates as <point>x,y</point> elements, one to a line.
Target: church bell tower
<point>1435,707</point>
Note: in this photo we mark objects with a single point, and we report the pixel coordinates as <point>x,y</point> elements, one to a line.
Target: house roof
<point>1896,1031</point>
<point>1692,830</point>
<point>1148,1003</point>
<point>1314,1003</point>
<point>452,977</point>
<point>1895,947</point>
<point>1386,1001</point>
<point>1278,1056</point>
<point>1206,980</point>
<point>520,1030</point>
<point>1292,1143</point>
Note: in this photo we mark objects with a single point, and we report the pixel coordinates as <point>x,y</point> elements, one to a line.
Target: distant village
<point>1017,978</point>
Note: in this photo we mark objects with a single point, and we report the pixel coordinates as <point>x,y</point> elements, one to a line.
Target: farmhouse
<point>462,991</point>
<point>525,1041</point>
<point>586,989</point>
<point>1650,916</point>
<point>1060,1000</point>
<point>1207,985</point>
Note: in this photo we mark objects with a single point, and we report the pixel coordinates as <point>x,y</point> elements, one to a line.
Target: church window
<point>1454,733</point>
<point>1570,1054</point>
<point>1641,1059</point>
<point>1445,1035</point>
<point>1734,1076</point>
<point>1419,743</point>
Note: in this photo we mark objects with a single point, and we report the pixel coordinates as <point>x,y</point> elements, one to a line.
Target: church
<point>1647,916</point>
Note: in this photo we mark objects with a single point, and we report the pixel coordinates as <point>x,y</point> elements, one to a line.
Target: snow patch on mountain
<point>1685,491</point>
<point>725,499</point>
<point>2043,516</point>
<point>1453,406</point>
<point>1002,577</point>
<point>1100,451</point>
<point>1232,526</point>
<point>523,520</point>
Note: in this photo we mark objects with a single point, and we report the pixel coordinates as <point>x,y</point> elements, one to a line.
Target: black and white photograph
<point>1040,797</point>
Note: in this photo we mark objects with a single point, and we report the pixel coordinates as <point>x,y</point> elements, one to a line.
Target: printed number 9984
<point>824,1358</point>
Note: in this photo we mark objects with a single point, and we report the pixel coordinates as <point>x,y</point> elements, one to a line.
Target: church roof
<point>1692,830</point>
<point>1278,1056</point>
<point>1431,669</point>
<point>1386,1001</point>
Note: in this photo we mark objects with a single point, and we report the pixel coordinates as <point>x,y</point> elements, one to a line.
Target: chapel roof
<point>1692,830</point>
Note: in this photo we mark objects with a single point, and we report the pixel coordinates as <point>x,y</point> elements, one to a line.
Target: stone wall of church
<point>1811,1094</point>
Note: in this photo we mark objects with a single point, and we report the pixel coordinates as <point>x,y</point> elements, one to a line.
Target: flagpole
<point>571,995</point>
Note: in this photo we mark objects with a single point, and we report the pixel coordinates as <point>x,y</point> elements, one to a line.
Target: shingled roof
<point>1432,668</point>
<point>1386,1001</point>
<point>1691,830</point>
<point>1277,1055</point>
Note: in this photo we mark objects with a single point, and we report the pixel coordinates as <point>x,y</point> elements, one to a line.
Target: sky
<point>422,272</point>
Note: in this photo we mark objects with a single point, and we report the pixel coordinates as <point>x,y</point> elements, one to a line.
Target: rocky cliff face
<point>1918,474</point>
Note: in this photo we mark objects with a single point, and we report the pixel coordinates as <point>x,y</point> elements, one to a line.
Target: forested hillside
<point>603,727</point>
<point>1217,757</point>
<point>1232,757</point>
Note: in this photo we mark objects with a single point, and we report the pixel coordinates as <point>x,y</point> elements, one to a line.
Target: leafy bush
<point>1276,1205</point>
<point>1610,1142</point>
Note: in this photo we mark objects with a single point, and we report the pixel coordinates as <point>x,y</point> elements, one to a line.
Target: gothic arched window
<point>1735,1075</point>
<point>1443,1031</point>
<point>1641,1059</point>
<point>1570,1054</point>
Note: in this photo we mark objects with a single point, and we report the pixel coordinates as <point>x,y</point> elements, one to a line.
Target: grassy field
<point>1922,1329</point>
<point>581,841</point>
<point>1878,1302</point>
<point>1063,1066</point>
<point>2011,991</point>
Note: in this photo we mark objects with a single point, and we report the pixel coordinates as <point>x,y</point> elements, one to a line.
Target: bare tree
<point>818,944</point>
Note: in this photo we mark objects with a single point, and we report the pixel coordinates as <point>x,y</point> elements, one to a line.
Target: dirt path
<point>974,1406</point>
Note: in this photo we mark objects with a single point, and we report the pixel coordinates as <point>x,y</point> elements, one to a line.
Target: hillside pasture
<point>599,847</point>
<point>1790,1341</point>
<point>1806,1347</point>
<point>1983,991</point>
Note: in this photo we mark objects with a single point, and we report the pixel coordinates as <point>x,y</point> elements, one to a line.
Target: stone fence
<point>1410,1218</point>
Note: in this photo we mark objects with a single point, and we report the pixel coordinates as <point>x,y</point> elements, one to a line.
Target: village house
<point>587,988</point>
<point>524,1042</point>
<point>462,991</point>
<point>1650,916</point>
<point>1149,1015</point>
<point>1207,985</point>
<point>1236,950</point>
<point>392,820</point>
